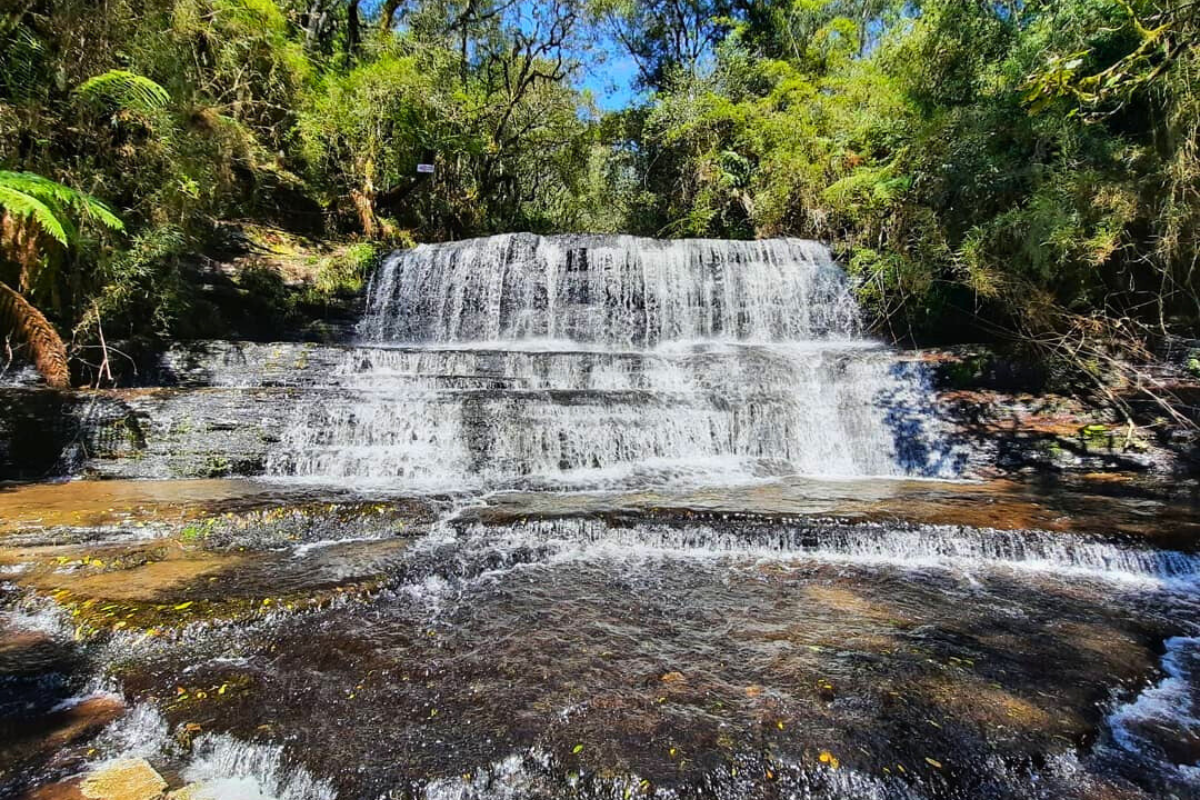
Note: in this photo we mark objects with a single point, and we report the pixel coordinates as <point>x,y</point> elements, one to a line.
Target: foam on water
<point>1163,721</point>
<point>39,616</point>
<point>893,546</point>
<point>141,733</point>
<point>217,766</point>
<point>224,768</point>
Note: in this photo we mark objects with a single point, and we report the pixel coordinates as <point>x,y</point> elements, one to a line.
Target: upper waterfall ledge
<point>616,291</point>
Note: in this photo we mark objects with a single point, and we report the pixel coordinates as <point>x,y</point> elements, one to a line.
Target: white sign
<point>425,169</point>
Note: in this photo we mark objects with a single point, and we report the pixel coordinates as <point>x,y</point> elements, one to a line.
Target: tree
<point>665,36</point>
<point>36,207</point>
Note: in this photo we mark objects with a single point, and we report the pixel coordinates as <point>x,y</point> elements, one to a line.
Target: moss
<point>197,531</point>
<point>215,467</point>
<point>966,372</point>
<point>1052,448</point>
<point>345,272</point>
<point>1096,434</point>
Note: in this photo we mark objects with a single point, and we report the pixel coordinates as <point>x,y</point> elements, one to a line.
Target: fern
<point>20,204</point>
<point>21,53</point>
<point>26,195</point>
<point>124,89</point>
<point>21,321</point>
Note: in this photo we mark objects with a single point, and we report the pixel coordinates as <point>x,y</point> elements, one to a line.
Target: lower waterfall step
<point>454,418</point>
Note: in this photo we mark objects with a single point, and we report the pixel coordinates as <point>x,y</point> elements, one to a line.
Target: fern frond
<point>34,184</point>
<point>21,53</point>
<point>24,323</point>
<point>22,204</point>
<point>22,192</point>
<point>124,89</point>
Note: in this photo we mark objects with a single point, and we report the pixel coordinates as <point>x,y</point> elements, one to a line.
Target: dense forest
<point>1016,170</point>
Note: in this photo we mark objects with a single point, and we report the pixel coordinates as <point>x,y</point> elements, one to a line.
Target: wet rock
<point>193,791</point>
<point>126,779</point>
<point>83,719</point>
<point>45,433</point>
<point>61,790</point>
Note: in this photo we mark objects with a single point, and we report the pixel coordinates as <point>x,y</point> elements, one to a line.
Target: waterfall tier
<point>521,360</point>
<point>611,291</point>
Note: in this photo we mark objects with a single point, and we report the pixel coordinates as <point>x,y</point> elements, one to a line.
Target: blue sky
<point>611,83</point>
<point>608,72</point>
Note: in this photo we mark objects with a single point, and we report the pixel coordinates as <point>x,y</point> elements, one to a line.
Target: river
<point>589,517</point>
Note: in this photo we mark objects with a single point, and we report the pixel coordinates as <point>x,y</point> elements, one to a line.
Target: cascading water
<point>613,361</point>
<point>392,628</point>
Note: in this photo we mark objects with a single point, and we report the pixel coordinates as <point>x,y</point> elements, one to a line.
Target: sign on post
<point>425,169</point>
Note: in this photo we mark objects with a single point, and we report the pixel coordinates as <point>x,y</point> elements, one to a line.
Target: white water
<point>613,362</point>
<point>1167,712</point>
<point>616,291</point>
<point>217,766</point>
<point>943,547</point>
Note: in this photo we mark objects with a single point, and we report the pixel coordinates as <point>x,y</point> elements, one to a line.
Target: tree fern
<point>21,53</point>
<point>124,89</point>
<point>24,194</point>
<point>21,322</point>
<point>20,204</point>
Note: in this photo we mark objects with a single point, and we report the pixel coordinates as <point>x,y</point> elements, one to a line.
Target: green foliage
<point>124,89</point>
<point>347,272</point>
<point>46,203</point>
<point>998,162</point>
<point>185,113</point>
<point>1029,168</point>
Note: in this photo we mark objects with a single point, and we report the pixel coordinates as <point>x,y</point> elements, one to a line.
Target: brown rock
<point>127,779</point>
<point>62,790</point>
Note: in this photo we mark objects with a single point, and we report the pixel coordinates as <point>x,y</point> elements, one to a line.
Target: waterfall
<point>612,361</point>
<point>610,292</point>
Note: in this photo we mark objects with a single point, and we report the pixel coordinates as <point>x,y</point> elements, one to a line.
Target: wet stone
<point>126,779</point>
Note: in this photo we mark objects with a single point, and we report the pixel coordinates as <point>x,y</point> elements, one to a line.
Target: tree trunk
<point>364,206</point>
<point>387,15</point>
<point>353,28</point>
<point>19,240</point>
<point>316,20</point>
